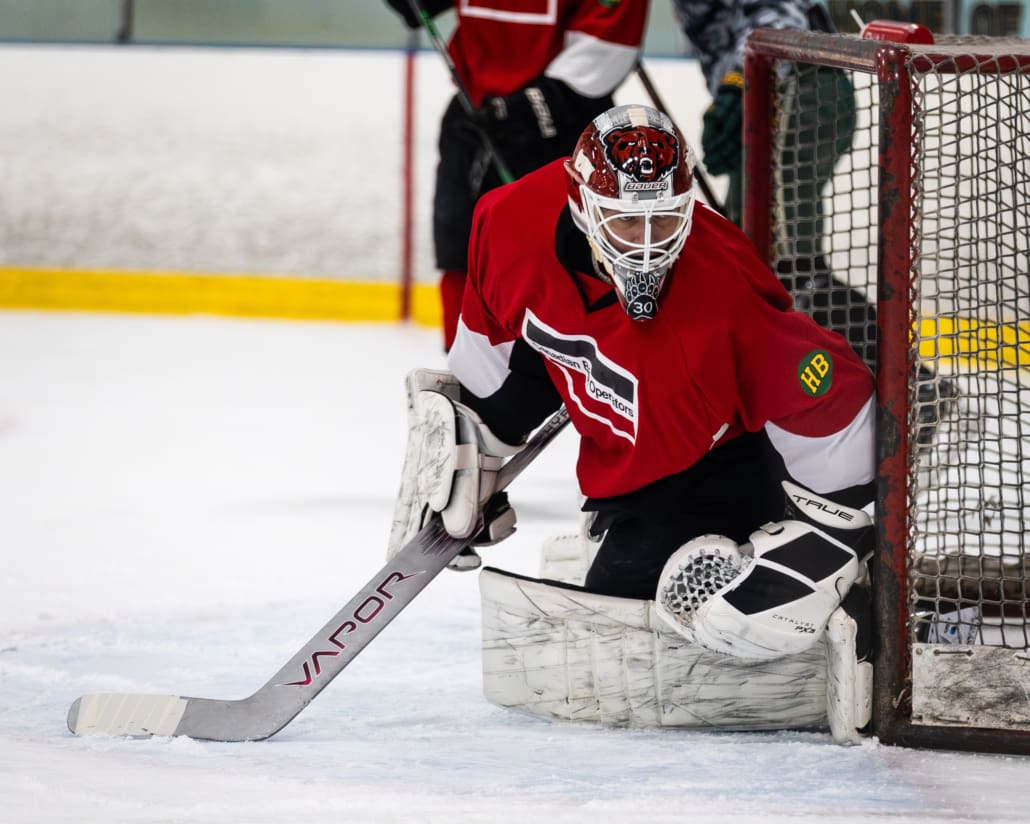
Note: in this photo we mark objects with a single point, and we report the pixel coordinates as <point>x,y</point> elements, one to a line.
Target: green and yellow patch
<point>815,373</point>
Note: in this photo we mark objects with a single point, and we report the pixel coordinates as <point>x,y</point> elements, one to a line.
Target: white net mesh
<point>969,412</point>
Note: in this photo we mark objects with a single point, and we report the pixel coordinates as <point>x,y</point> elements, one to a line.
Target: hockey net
<point>925,218</point>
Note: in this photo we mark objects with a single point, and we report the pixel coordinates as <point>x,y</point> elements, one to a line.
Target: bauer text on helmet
<point>630,181</point>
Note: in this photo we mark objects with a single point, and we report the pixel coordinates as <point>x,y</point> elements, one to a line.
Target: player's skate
<point>936,398</point>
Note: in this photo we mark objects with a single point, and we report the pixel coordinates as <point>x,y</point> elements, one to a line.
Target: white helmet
<point>631,191</point>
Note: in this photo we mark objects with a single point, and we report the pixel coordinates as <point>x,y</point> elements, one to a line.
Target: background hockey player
<point>600,283</point>
<point>536,81</point>
<point>822,104</point>
<point>718,31</point>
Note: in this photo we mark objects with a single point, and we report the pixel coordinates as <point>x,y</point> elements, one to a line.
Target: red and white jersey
<point>725,354</point>
<point>499,46</point>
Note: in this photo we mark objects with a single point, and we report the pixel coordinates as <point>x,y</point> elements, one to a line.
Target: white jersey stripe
<point>547,17</point>
<point>480,366</point>
<point>590,66</point>
<point>834,462</point>
<point>582,407</point>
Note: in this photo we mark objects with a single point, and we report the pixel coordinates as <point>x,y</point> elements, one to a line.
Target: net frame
<point>913,230</point>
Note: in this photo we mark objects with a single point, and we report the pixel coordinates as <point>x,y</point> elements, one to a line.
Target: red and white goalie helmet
<point>631,190</point>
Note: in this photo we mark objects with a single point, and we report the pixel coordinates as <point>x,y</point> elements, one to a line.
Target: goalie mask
<point>630,182</point>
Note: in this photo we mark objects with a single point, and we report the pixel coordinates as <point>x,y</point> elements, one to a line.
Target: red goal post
<point>928,217</point>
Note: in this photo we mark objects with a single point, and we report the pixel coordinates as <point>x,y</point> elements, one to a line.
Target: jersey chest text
<point>599,387</point>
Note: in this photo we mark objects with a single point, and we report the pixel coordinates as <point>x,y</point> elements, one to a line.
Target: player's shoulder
<point>726,262</point>
<point>716,245</point>
<point>719,232</point>
<point>539,186</point>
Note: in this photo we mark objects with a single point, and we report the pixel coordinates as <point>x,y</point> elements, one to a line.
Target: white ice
<point>185,501</point>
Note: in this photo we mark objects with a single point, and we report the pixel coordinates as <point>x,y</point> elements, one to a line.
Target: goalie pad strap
<point>466,456</point>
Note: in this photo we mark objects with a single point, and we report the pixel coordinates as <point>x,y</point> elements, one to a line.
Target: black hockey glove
<point>404,9</point>
<point>526,116</point>
<point>722,138</point>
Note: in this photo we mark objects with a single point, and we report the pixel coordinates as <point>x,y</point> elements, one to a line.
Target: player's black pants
<point>732,491</point>
<point>465,171</point>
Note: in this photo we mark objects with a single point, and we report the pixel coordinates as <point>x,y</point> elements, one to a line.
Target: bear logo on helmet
<point>643,153</point>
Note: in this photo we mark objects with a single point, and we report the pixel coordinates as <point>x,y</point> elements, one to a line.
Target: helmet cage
<point>637,268</point>
<point>630,186</point>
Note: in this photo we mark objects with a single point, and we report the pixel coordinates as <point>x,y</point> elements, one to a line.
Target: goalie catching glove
<point>778,602</point>
<point>450,467</point>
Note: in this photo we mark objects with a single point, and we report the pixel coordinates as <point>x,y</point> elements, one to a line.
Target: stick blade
<point>139,716</point>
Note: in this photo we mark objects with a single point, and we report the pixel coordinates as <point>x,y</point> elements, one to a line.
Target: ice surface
<point>183,502</point>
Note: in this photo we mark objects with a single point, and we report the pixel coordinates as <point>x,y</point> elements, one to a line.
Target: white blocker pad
<point>415,486</point>
<point>559,652</point>
<point>450,463</point>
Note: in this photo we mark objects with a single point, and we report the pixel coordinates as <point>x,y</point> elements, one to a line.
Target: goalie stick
<point>317,663</point>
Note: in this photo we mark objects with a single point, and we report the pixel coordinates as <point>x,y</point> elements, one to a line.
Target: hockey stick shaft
<point>463,96</point>
<point>317,663</point>
<point>699,174</point>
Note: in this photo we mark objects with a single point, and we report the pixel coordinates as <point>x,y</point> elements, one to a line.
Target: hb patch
<point>815,372</point>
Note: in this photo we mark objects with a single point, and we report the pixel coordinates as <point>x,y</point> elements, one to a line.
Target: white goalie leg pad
<point>564,558</point>
<point>849,682</point>
<point>560,652</point>
<point>780,604</point>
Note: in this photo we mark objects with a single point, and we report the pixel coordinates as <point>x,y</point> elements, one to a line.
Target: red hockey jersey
<point>725,354</point>
<point>499,46</point>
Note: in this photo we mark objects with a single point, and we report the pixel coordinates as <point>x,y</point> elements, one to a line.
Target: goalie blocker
<point>450,467</point>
